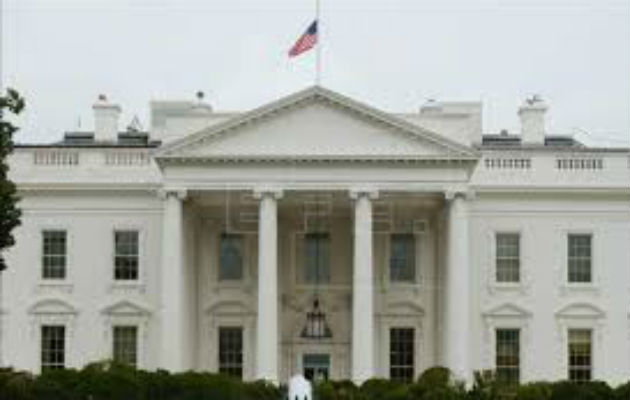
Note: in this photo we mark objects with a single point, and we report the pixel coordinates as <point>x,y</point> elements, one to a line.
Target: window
<point>53,349</point>
<point>508,358</point>
<point>508,254</point>
<point>125,344</point>
<point>580,355</point>
<point>317,258</point>
<point>316,366</point>
<point>402,257</point>
<point>401,354</point>
<point>126,258</point>
<point>54,254</point>
<point>231,351</point>
<point>231,267</point>
<point>580,258</point>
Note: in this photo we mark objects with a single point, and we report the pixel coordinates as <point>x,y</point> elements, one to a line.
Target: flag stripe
<point>306,42</point>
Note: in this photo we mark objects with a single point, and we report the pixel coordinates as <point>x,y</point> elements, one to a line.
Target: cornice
<point>537,189</point>
<point>41,187</point>
<point>319,159</point>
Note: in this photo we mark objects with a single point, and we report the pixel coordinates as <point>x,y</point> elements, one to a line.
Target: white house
<point>319,235</point>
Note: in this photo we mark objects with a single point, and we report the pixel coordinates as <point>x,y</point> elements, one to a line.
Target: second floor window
<point>508,254</point>
<point>126,258</point>
<point>579,258</point>
<point>402,258</point>
<point>54,244</point>
<point>317,258</point>
<point>231,268</point>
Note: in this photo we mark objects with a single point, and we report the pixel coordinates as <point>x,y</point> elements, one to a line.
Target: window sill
<point>405,286</point>
<point>127,287</point>
<point>55,285</point>
<point>508,287</point>
<point>571,288</point>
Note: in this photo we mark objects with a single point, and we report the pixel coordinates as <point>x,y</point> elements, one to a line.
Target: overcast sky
<point>391,54</point>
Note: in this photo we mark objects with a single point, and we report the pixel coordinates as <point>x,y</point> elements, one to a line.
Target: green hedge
<point>106,381</point>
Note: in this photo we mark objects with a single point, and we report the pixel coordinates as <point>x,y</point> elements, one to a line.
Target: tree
<point>9,213</point>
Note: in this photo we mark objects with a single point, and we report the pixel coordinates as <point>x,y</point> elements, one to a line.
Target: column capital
<point>179,193</point>
<point>263,191</point>
<point>370,193</point>
<point>465,194</point>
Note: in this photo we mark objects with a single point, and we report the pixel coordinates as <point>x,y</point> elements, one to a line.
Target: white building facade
<point>204,244</point>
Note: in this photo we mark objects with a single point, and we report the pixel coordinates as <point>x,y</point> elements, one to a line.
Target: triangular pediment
<point>581,310</point>
<point>315,124</point>
<point>404,308</point>
<point>126,307</point>
<point>507,310</point>
<point>228,307</point>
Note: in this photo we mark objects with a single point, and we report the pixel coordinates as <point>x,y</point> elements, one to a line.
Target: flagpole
<point>318,45</point>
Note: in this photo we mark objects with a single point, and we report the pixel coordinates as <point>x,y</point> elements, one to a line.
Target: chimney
<point>532,114</point>
<point>105,120</point>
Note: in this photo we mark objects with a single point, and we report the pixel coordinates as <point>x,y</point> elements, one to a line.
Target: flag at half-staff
<point>306,42</point>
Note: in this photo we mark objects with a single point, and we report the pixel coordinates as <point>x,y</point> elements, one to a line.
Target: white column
<point>267,327</point>
<point>362,290</point>
<point>457,318</point>
<point>173,284</point>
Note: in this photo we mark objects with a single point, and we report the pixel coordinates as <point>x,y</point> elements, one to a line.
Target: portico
<point>257,177</point>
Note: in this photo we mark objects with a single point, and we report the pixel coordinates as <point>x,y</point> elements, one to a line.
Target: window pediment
<point>52,306</point>
<point>507,310</point>
<point>228,307</point>
<point>581,310</point>
<point>126,308</point>
<point>404,308</point>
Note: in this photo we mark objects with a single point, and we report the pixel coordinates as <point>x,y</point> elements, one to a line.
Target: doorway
<point>316,366</point>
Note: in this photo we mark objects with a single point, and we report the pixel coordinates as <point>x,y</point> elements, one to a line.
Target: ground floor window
<point>580,355</point>
<point>401,354</point>
<point>316,366</point>
<point>53,347</point>
<point>508,350</point>
<point>231,351</point>
<point>125,345</point>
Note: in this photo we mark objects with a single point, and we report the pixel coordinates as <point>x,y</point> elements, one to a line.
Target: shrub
<point>622,392</point>
<point>534,391</point>
<point>110,381</point>
<point>565,390</point>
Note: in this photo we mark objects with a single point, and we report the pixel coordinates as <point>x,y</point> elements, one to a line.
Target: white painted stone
<point>179,303</point>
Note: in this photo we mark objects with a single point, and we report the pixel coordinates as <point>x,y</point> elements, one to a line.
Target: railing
<point>74,158</point>
<point>579,163</point>
<point>127,158</point>
<point>56,158</point>
<point>508,163</point>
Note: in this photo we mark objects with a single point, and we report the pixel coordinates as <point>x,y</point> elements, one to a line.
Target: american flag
<point>306,42</point>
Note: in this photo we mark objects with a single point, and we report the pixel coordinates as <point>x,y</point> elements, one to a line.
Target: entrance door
<point>316,366</point>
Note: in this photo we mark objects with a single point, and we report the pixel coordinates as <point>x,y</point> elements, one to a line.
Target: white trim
<point>142,324</point>
<point>49,284</point>
<point>127,286</point>
<point>524,285</point>
<point>421,356</point>
<point>593,287</point>
<point>507,316</point>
